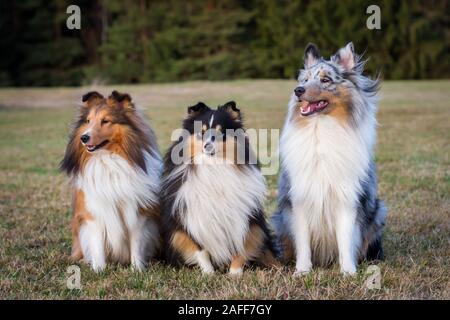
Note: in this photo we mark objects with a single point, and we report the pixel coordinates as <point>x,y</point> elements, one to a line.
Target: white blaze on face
<point>208,143</point>
<point>88,131</point>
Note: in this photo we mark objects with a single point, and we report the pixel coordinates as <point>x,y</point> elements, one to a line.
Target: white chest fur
<point>325,161</point>
<point>114,190</point>
<point>216,201</point>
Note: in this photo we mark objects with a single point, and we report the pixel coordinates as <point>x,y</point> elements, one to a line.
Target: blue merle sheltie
<point>328,205</point>
<point>114,166</point>
<point>213,194</point>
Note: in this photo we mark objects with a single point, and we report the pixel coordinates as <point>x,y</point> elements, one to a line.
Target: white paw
<point>98,266</point>
<point>300,273</point>
<point>302,269</point>
<point>207,270</point>
<point>204,262</point>
<point>137,266</point>
<point>348,273</point>
<point>236,272</point>
<point>348,270</point>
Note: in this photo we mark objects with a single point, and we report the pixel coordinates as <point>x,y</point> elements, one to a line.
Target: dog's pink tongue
<point>313,106</point>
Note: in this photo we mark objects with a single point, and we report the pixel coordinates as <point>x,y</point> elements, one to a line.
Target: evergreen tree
<point>148,40</point>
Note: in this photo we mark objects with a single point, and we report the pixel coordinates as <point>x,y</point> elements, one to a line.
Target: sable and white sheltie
<point>328,206</point>
<point>114,166</point>
<point>213,194</point>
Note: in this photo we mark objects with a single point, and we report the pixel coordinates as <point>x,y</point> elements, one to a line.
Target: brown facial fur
<point>226,151</point>
<point>339,103</point>
<point>101,127</point>
<point>115,120</point>
<point>196,147</point>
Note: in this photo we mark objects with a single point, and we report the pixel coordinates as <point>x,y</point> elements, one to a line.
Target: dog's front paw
<point>236,272</point>
<point>204,262</point>
<point>348,269</point>
<point>300,273</point>
<point>98,266</point>
<point>348,273</point>
<point>138,266</point>
<point>302,269</point>
<point>207,270</point>
<point>137,263</point>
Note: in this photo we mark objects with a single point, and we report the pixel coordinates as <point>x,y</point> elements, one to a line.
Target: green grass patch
<point>413,157</point>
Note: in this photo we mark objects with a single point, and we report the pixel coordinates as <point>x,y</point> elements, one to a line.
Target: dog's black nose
<point>299,91</point>
<point>84,138</point>
<point>209,148</point>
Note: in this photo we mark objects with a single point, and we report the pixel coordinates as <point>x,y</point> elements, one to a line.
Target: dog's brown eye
<point>105,121</point>
<point>325,80</point>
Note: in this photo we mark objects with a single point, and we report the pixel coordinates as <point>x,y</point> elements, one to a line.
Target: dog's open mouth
<point>313,107</point>
<point>92,148</point>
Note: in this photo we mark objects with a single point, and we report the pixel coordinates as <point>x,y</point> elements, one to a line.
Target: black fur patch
<point>200,107</point>
<point>91,95</point>
<point>311,53</point>
<point>375,251</point>
<point>203,113</point>
<point>311,49</point>
<point>119,97</point>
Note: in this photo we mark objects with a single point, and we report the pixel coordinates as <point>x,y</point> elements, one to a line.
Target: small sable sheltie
<point>114,166</point>
<point>213,194</point>
<point>328,206</point>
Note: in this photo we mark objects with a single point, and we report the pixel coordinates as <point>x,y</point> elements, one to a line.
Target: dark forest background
<point>159,41</point>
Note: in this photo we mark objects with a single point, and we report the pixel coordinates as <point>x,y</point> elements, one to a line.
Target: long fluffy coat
<point>328,207</point>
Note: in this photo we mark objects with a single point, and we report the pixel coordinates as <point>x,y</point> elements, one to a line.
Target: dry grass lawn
<point>414,178</point>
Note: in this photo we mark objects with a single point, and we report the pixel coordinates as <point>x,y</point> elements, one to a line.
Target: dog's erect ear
<point>199,108</point>
<point>122,99</point>
<point>91,98</point>
<point>346,57</point>
<point>311,56</point>
<point>232,110</point>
